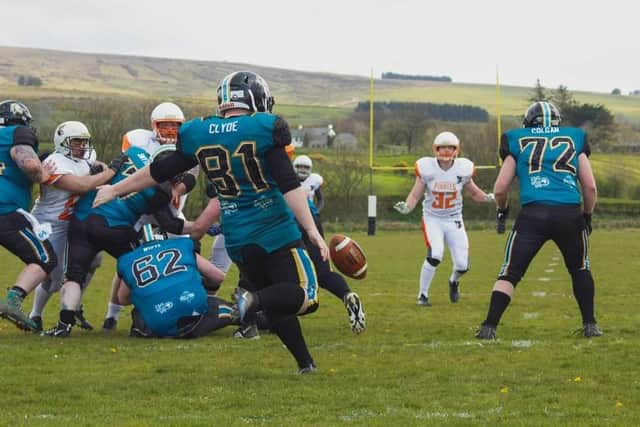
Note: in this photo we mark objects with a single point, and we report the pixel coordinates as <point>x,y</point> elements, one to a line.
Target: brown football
<point>348,256</point>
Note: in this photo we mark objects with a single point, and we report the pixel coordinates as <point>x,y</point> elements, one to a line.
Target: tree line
<point>397,76</point>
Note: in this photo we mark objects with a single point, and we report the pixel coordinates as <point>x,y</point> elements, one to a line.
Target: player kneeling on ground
<point>162,281</point>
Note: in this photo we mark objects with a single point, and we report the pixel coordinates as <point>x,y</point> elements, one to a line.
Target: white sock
<point>40,299</point>
<point>114,310</point>
<point>426,276</point>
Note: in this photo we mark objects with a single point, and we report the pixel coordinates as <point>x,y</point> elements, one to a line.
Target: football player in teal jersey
<point>162,281</point>
<point>108,227</point>
<point>555,176</point>
<point>243,153</point>
<point>20,233</point>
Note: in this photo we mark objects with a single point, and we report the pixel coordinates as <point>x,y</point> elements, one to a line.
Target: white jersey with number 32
<point>443,194</point>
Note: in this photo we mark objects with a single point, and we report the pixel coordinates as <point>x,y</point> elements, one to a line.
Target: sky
<point>586,45</point>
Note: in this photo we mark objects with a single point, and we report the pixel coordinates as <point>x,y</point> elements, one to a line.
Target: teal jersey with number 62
<point>165,283</point>
<point>546,163</point>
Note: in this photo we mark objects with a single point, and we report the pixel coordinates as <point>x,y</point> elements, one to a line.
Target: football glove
<point>402,207</point>
<point>95,169</point>
<point>214,230</point>
<point>501,219</point>
<point>587,221</point>
<point>117,162</point>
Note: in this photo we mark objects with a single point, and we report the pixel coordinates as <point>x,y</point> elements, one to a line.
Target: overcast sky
<point>585,45</point>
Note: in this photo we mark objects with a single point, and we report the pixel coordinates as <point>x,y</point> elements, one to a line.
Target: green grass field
<point>413,366</point>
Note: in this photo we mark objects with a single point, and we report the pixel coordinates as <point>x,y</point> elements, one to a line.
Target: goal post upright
<point>371,200</point>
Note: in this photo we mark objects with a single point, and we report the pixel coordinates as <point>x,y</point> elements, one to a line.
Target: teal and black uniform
<point>165,283</point>
<point>15,186</point>
<point>245,159</point>
<point>124,210</point>
<point>109,227</point>
<point>16,233</point>
<point>233,152</point>
<point>547,168</point>
<point>547,163</point>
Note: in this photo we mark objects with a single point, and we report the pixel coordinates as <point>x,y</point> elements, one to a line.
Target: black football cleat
<point>454,293</point>
<point>486,332</point>
<point>61,330</point>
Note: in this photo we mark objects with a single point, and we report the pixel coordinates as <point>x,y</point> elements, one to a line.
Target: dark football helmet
<point>541,114</point>
<point>14,113</point>
<point>245,90</point>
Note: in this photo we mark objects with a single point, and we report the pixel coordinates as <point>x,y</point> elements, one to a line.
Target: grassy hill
<point>77,74</point>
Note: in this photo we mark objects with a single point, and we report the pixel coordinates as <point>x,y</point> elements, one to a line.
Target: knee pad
<point>433,262</point>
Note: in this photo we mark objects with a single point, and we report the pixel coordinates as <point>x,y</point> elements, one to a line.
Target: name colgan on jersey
<point>547,129</point>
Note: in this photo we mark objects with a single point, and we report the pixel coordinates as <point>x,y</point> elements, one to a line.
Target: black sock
<point>21,292</point>
<point>68,317</point>
<point>334,283</point>
<point>290,333</point>
<point>497,306</point>
<point>584,290</point>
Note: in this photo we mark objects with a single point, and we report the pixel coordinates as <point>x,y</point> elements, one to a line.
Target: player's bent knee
<point>433,262</point>
<point>462,271</point>
<point>49,265</point>
<point>309,306</point>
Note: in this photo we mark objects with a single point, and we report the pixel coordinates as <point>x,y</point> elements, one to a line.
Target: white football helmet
<point>302,165</point>
<point>72,139</point>
<point>446,139</point>
<point>170,113</point>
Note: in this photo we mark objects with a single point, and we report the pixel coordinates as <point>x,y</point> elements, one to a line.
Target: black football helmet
<point>14,113</point>
<point>541,114</point>
<point>245,90</point>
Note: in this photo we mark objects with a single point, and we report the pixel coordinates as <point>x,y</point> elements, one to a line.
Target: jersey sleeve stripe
<point>53,178</point>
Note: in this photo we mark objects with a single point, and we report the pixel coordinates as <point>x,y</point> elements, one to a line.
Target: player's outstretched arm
<point>297,201</point>
<point>207,217</point>
<point>412,199</point>
<point>138,181</point>
<point>476,193</point>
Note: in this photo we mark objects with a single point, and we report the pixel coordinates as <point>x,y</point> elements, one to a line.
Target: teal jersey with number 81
<point>232,151</point>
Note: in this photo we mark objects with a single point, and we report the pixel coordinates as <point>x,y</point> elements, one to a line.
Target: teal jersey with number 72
<point>546,163</point>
